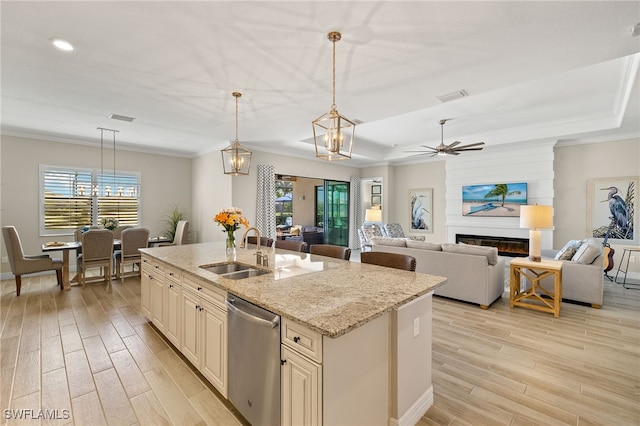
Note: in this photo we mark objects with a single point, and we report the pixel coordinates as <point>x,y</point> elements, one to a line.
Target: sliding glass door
<point>336,212</point>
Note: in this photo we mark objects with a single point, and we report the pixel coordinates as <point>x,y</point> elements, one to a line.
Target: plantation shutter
<point>67,199</point>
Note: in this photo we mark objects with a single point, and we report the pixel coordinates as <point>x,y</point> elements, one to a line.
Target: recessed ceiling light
<point>62,44</point>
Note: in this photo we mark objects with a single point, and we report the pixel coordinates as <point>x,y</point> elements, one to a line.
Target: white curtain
<point>355,216</point>
<point>266,201</point>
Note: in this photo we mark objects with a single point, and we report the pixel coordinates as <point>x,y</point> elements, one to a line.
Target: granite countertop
<point>330,296</point>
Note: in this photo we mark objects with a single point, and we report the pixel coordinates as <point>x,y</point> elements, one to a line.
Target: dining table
<point>67,247</point>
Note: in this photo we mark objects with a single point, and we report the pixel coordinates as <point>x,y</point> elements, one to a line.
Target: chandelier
<point>236,159</point>
<point>333,132</point>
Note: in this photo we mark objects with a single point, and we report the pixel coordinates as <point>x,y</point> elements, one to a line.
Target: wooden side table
<point>535,272</point>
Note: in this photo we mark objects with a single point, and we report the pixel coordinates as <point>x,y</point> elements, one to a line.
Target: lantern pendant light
<point>236,159</point>
<point>332,132</point>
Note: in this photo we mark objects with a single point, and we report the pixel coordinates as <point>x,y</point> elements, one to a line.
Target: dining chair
<point>117,233</point>
<point>292,245</point>
<point>329,250</point>
<point>131,240</point>
<point>264,241</point>
<point>181,235</point>
<point>22,264</point>
<point>390,260</point>
<point>97,251</point>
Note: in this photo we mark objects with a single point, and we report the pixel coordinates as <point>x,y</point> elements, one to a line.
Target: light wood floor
<point>90,355</point>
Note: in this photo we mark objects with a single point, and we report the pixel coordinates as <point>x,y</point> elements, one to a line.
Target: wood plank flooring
<point>89,358</point>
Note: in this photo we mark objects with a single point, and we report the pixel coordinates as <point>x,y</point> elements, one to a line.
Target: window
<point>284,201</point>
<point>71,198</point>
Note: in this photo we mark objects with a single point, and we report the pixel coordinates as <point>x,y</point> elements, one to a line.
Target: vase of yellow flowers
<point>231,219</point>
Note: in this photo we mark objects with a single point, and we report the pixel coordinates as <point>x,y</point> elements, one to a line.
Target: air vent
<point>121,117</point>
<point>452,96</point>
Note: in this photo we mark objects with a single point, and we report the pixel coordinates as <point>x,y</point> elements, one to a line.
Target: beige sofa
<point>582,279</point>
<point>474,274</point>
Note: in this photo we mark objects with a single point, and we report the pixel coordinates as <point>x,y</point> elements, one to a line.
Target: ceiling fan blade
<point>453,144</point>
<point>430,147</point>
<point>452,152</point>
<point>470,145</point>
<point>420,152</point>
<point>467,149</point>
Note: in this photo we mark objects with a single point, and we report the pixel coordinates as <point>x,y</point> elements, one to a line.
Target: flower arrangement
<point>231,219</point>
<point>109,223</point>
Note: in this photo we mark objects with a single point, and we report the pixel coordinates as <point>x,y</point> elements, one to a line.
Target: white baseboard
<point>416,411</point>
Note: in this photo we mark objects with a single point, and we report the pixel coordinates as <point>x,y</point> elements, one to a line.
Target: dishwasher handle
<point>273,323</point>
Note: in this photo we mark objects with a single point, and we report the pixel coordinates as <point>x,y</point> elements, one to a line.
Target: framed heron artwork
<point>611,208</point>
<point>421,210</point>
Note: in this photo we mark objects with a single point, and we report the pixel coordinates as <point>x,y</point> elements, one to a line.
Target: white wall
<point>165,181</point>
<point>211,193</point>
<point>415,176</point>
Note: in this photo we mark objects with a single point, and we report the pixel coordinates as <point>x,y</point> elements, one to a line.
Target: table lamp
<point>536,218</point>
<point>373,215</point>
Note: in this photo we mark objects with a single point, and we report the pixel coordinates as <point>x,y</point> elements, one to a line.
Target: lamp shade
<point>536,217</point>
<point>373,215</point>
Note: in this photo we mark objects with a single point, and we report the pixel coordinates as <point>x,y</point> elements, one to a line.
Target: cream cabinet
<point>204,330</point>
<point>171,315</point>
<point>301,375</point>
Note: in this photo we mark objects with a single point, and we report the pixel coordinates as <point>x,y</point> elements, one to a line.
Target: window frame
<point>95,205</point>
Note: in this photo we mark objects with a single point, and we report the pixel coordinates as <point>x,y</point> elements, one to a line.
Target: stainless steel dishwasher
<point>254,362</point>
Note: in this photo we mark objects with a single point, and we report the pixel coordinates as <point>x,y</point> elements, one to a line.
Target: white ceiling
<point>533,71</point>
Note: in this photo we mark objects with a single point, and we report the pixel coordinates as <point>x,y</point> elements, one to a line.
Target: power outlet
<point>416,326</point>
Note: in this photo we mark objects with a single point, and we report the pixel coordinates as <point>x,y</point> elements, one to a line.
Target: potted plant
<point>171,220</point>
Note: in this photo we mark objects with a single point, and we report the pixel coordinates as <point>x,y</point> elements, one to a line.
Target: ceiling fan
<point>452,149</point>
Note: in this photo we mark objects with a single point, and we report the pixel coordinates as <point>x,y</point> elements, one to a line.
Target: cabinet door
<point>145,293</point>
<point>190,339</point>
<point>157,301</point>
<point>300,377</point>
<point>214,355</point>
<point>172,312</point>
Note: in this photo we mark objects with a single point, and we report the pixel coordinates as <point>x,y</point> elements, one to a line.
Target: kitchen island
<point>356,338</point>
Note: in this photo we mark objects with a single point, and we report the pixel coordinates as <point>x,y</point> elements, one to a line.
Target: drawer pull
<point>199,288</point>
<point>283,361</point>
<point>296,339</point>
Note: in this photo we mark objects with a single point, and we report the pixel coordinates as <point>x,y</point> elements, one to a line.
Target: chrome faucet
<point>261,259</point>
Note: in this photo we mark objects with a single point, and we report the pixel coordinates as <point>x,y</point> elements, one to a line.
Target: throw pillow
<point>569,249</point>
<point>295,230</point>
<point>387,241</point>
<point>491,253</point>
<point>587,253</point>
<point>423,245</point>
<point>417,237</point>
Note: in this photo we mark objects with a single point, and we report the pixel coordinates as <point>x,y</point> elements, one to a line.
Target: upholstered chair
<point>394,230</point>
<point>329,250</point>
<point>131,240</point>
<point>117,233</point>
<point>264,241</point>
<point>390,260</point>
<point>22,264</point>
<point>181,235</point>
<point>97,251</point>
<point>292,245</point>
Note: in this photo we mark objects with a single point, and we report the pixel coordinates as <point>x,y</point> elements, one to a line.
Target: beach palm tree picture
<point>499,199</point>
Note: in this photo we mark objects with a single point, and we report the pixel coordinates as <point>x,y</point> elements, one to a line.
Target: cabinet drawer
<point>172,273</point>
<point>152,265</point>
<point>302,339</point>
<point>206,290</point>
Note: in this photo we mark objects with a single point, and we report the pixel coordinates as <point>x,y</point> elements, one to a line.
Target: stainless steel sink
<point>234,270</point>
<point>226,267</point>
<point>247,273</point>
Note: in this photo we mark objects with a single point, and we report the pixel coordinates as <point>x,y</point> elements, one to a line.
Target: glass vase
<point>231,246</point>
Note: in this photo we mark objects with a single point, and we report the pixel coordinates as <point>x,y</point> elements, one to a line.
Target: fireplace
<point>507,246</point>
